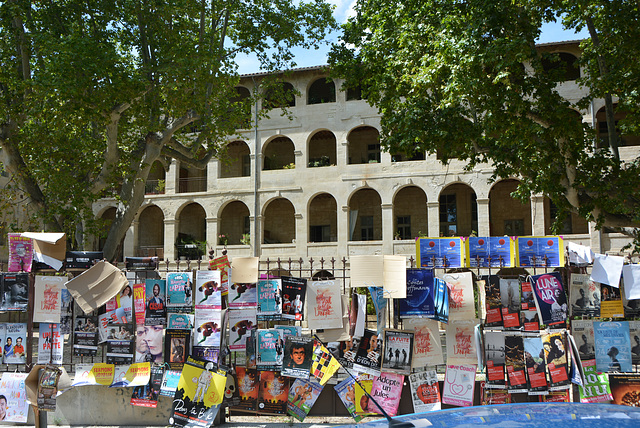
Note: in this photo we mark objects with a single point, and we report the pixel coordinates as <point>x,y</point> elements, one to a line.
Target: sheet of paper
<point>244,270</point>
<point>607,269</point>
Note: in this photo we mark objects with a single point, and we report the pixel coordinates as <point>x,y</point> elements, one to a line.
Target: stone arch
<point>279,95</point>
<point>409,212</point>
<point>458,210</point>
<point>278,153</point>
<point>156,181</point>
<point>323,218</point>
<point>365,215</point>
<point>321,91</point>
<point>151,232</point>
<point>321,149</point>
<point>364,145</point>
<point>602,128</point>
<point>237,161</point>
<point>279,223</point>
<point>507,215</point>
<point>234,222</point>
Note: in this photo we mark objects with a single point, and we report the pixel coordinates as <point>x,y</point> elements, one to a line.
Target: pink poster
<point>459,383</point>
<point>386,391</point>
<point>20,253</point>
<point>138,302</point>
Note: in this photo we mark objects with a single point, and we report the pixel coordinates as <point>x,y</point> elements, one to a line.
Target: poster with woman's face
<point>149,344</point>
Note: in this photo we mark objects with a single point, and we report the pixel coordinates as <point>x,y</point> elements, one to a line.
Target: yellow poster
<point>101,374</point>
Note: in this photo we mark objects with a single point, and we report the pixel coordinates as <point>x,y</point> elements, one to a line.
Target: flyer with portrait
<point>425,392</point>
<point>12,387</point>
<point>346,390</point>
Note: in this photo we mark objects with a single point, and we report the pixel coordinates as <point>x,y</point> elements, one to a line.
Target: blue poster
<point>179,289</point>
<point>550,297</point>
<point>613,346</point>
<point>269,300</point>
<point>441,300</point>
<point>494,251</point>
<point>419,300</point>
<point>440,252</point>
<point>540,251</point>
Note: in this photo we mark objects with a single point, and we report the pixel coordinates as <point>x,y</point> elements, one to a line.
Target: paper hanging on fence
<point>97,285</point>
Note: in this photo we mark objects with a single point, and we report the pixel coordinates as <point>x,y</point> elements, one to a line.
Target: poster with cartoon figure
<point>302,396</point>
<point>208,289</point>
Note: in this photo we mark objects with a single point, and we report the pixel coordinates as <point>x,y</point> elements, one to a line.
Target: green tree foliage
<point>466,80</point>
<point>93,92</point>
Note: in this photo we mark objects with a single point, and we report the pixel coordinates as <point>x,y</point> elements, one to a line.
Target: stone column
<point>170,235</point>
<point>302,235</point>
<point>537,215</point>
<point>596,239</point>
<point>171,178</point>
<point>211,233</point>
<point>343,231</point>
<point>387,228</point>
<point>484,217</point>
<point>256,240</point>
<point>433,217</point>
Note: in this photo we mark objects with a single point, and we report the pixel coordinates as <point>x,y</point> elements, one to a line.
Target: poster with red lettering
<point>550,297</point>
<point>397,351</point>
<point>427,347</point>
<point>461,303</point>
<point>48,290</point>
<point>461,342</point>
<point>50,344</point>
<point>324,305</point>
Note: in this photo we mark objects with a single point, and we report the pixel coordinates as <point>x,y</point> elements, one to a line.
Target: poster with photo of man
<point>85,334</point>
<point>155,305</point>
<point>15,343</point>
<point>397,351</point>
<point>585,296</point>
<point>15,291</point>
<point>297,356</point>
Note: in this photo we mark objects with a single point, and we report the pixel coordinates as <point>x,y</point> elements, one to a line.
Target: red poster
<point>138,302</point>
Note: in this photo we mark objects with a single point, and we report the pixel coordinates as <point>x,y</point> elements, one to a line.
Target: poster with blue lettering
<point>613,346</point>
<point>269,300</point>
<point>550,297</point>
<point>270,349</point>
<point>419,300</point>
<point>441,300</point>
<point>440,252</point>
<point>494,251</point>
<point>540,251</point>
<point>179,290</point>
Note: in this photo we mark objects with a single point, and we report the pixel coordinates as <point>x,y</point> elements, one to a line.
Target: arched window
<point>322,91</point>
<point>561,66</point>
<point>279,95</point>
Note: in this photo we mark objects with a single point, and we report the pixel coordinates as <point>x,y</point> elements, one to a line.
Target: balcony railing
<point>154,187</point>
<point>192,184</point>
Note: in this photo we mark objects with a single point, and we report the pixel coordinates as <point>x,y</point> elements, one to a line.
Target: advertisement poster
<point>514,363</point>
<point>198,396</point>
<point>222,264</point>
<point>540,251</point>
<point>298,351</point>
<point>50,344</point>
<point>611,305</point>
<point>302,396</point>
<point>139,303</point>
<point>555,351</point>
<point>425,392</point>
<point>625,389</point>
<point>12,388</point>
<point>489,396</point>
<point>269,349</point>
<point>585,296</point>
<point>459,385</point>
<point>169,383</point>
<point>273,394</point>
<point>181,321</point>
<point>147,395</point>
<point>534,361</point>
<point>324,305</point>
<point>20,253</point>
<point>208,289</point>
<point>369,355</point>
<point>323,365</point>
<point>634,335</point>
<point>364,406</point>
<point>94,374</point>
<point>148,343</point>
<point>15,292</point>
<point>511,302</point>
<point>243,295</point>
<point>582,331</point>
<point>461,303</point>
<point>156,310</point>
<point>121,351</point>
<point>461,342</point>
<point>269,299</point>
<point>179,290</point>
<point>427,349</point>
<point>48,388</point>
<point>495,358</point>
<point>135,374</point>
<point>294,291</point>
<point>47,302</point>
<point>346,390</point>
<point>613,349</point>
<point>66,311</point>
<point>440,300</point>
<point>550,298</point>
<point>248,387</point>
<point>209,327</point>
<point>494,251</point>
<point>242,321</point>
<point>419,300</point>
<point>493,300</point>
<point>14,343</point>
<point>176,347</point>
<point>596,388</point>
<point>440,252</point>
<point>398,351</point>
<point>386,391</point>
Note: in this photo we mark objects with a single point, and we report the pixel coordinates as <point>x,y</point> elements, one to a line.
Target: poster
<point>535,364</point>
<point>269,299</point>
<point>50,344</point>
<point>94,374</point>
<point>48,388</point>
<point>461,303</point>
<point>346,390</point>
<point>208,290</point>
<point>85,336</point>
<point>625,389</point>
<point>398,351</point>
<point>441,300</point>
<point>302,396</point>
<point>199,393</point>
<point>540,251</point>
<point>14,392</point>
<point>148,343</point>
<point>494,251</point>
<point>298,351</point>
<point>169,383</point>
<point>147,395</point>
<point>510,300</point>
<point>634,335</point>
<point>425,392</point>
<point>294,291</point>
<point>14,343</point>
<point>550,298</point>
<point>15,291</point>
<point>180,321</point>
<point>20,253</point>
<point>324,305</point>
<point>369,355</point>
<point>419,300</point>
<point>209,328</point>
<point>514,363</point>
<point>156,311</point>
<point>380,304</point>
<point>493,300</point>
<point>120,345</point>
<point>323,365</point>
<point>555,351</point>
<point>269,349</point>
<point>248,388</point>
<point>386,391</point>
<point>427,346</point>
<point>611,305</point>
<point>242,321</point>
<point>596,388</point>
<point>489,396</point>
<point>139,303</point>
<point>495,358</point>
<point>613,346</point>
<point>459,384</point>
<point>273,394</point>
<point>585,296</point>
<point>461,342</point>
<point>179,290</point>
<point>582,331</point>
<point>66,311</point>
<point>440,252</point>
<point>222,264</point>
<point>47,298</point>
<point>176,347</point>
<point>243,295</point>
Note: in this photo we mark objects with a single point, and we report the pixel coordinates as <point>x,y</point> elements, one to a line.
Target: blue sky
<point>552,32</point>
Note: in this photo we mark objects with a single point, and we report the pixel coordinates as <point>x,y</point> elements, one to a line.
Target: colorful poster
<point>494,251</point>
<point>386,391</point>
<point>15,292</point>
<point>139,303</point>
<point>47,298</point>
<point>540,251</point>
<point>493,300</point>
<point>298,351</point>
<point>294,291</point>
<point>611,305</point>
<point>461,303</point>
<point>48,388</point>
<point>459,385</point>
<point>490,396</point>
<point>302,396</point>
<point>324,305</point>
<point>15,342</point>
<point>441,300</point>
<point>427,346</point>
<point>273,394</point>
<point>510,301</point>
<point>243,295</point>
<point>494,352</point>
<point>147,395</point>
<point>209,328</point>
<point>625,389</point>
<point>156,310</point>
<point>419,300</point>
<point>582,331</point>
<point>440,252</point>
<point>176,347</point>
<point>208,289</point>
<point>380,305</point>
<point>242,321</point>
<point>169,383</point>
<point>3,335</point>
<point>596,388</point>
<point>534,361</point>
<point>346,390</point>
<point>248,388</point>
<point>514,363</point>
<point>269,299</point>
<point>550,298</point>
<point>222,264</point>
<point>613,346</point>
<point>323,365</point>
<point>425,392</point>
<point>14,392</point>
<point>369,355</point>
<point>124,302</point>
<point>20,253</point>
<point>556,357</point>
<point>461,342</point>
<point>180,321</point>
<point>179,290</point>
<point>93,374</point>
<point>149,344</point>
<point>200,391</point>
<point>585,296</point>
<point>363,405</point>
<point>269,349</point>
<point>135,374</point>
<point>50,344</point>
<point>397,350</point>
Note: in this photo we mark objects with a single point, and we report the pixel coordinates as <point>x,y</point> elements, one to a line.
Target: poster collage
<point>229,336</point>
